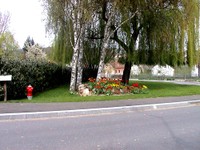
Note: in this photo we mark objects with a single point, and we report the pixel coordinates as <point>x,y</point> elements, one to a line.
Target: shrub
<point>1,92</point>
<point>40,74</point>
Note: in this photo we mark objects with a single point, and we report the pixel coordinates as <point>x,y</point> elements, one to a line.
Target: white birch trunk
<point>101,62</point>
<point>74,70</point>
<point>107,33</point>
<point>75,46</point>
<point>80,60</point>
<point>78,27</point>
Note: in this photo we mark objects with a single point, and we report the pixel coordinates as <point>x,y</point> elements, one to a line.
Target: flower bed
<point>107,86</point>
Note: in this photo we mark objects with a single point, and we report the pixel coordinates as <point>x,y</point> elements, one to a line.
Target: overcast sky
<point>26,20</point>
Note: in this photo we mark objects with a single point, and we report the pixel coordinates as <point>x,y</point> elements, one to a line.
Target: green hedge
<point>41,75</point>
<point>1,92</point>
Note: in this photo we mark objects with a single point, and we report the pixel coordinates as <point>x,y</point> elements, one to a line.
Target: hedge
<point>41,75</point>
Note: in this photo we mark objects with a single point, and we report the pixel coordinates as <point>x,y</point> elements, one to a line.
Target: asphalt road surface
<point>171,129</point>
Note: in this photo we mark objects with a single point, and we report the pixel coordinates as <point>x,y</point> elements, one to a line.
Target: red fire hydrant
<point>29,90</point>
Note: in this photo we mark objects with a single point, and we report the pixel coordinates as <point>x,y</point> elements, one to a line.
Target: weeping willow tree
<point>154,32</point>
<point>157,42</point>
<point>162,32</point>
<point>58,23</point>
<point>192,31</point>
<point>171,36</point>
<point>61,48</point>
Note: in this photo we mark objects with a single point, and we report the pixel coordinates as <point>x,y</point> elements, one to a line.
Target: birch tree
<point>148,32</point>
<point>79,15</point>
<point>110,12</point>
<point>74,16</point>
<point>107,34</point>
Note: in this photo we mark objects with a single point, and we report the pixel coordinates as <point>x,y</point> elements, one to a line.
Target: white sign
<point>5,77</point>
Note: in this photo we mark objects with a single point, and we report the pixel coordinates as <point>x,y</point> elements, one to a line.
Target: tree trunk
<point>80,65</point>
<point>126,72</point>
<point>74,70</point>
<point>107,34</point>
<point>101,62</point>
<point>78,28</point>
<point>76,48</point>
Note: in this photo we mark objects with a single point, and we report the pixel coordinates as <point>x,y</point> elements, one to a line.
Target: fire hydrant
<point>29,90</point>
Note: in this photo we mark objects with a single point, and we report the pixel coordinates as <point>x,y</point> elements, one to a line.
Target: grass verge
<point>156,89</point>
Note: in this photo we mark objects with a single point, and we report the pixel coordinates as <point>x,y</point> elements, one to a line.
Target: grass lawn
<point>156,89</point>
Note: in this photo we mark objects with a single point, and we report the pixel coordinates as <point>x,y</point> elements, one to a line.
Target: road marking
<point>95,111</point>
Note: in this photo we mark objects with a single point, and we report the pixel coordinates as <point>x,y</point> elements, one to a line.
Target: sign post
<point>5,78</point>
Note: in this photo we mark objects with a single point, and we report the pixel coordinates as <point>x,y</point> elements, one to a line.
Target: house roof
<point>117,65</point>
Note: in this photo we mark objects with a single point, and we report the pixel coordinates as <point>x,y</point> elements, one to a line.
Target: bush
<point>1,92</point>
<point>40,74</point>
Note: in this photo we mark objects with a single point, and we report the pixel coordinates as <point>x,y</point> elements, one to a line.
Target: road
<point>171,129</point>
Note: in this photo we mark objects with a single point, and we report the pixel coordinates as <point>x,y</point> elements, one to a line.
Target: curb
<point>94,111</point>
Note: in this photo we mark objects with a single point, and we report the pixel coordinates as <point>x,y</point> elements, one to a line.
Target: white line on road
<point>79,112</point>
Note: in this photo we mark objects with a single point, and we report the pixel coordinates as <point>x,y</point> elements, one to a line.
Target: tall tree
<point>126,36</point>
<point>108,17</point>
<point>153,35</point>
<point>28,43</point>
<point>4,22</point>
<point>61,48</point>
<point>8,45</point>
<point>73,15</point>
<point>149,32</point>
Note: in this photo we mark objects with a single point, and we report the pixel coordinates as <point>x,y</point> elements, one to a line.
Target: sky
<point>26,20</point>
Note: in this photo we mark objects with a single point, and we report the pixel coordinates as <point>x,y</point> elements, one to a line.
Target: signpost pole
<point>5,78</point>
<point>5,92</point>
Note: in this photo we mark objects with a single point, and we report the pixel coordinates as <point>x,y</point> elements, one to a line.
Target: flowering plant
<point>139,88</point>
<point>109,86</point>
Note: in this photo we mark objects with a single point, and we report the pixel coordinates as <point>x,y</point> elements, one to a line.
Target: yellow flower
<point>115,85</point>
<point>144,87</point>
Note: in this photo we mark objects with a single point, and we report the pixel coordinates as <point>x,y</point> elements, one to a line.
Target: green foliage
<point>40,74</point>
<point>28,43</point>
<point>8,45</point>
<point>156,34</point>
<point>163,28</point>
<point>1,92</point>
<point>62,50</point>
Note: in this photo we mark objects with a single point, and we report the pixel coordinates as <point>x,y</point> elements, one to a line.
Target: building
<point>113,70</point>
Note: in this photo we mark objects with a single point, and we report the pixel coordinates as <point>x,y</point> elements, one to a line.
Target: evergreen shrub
<point>41,75</point>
